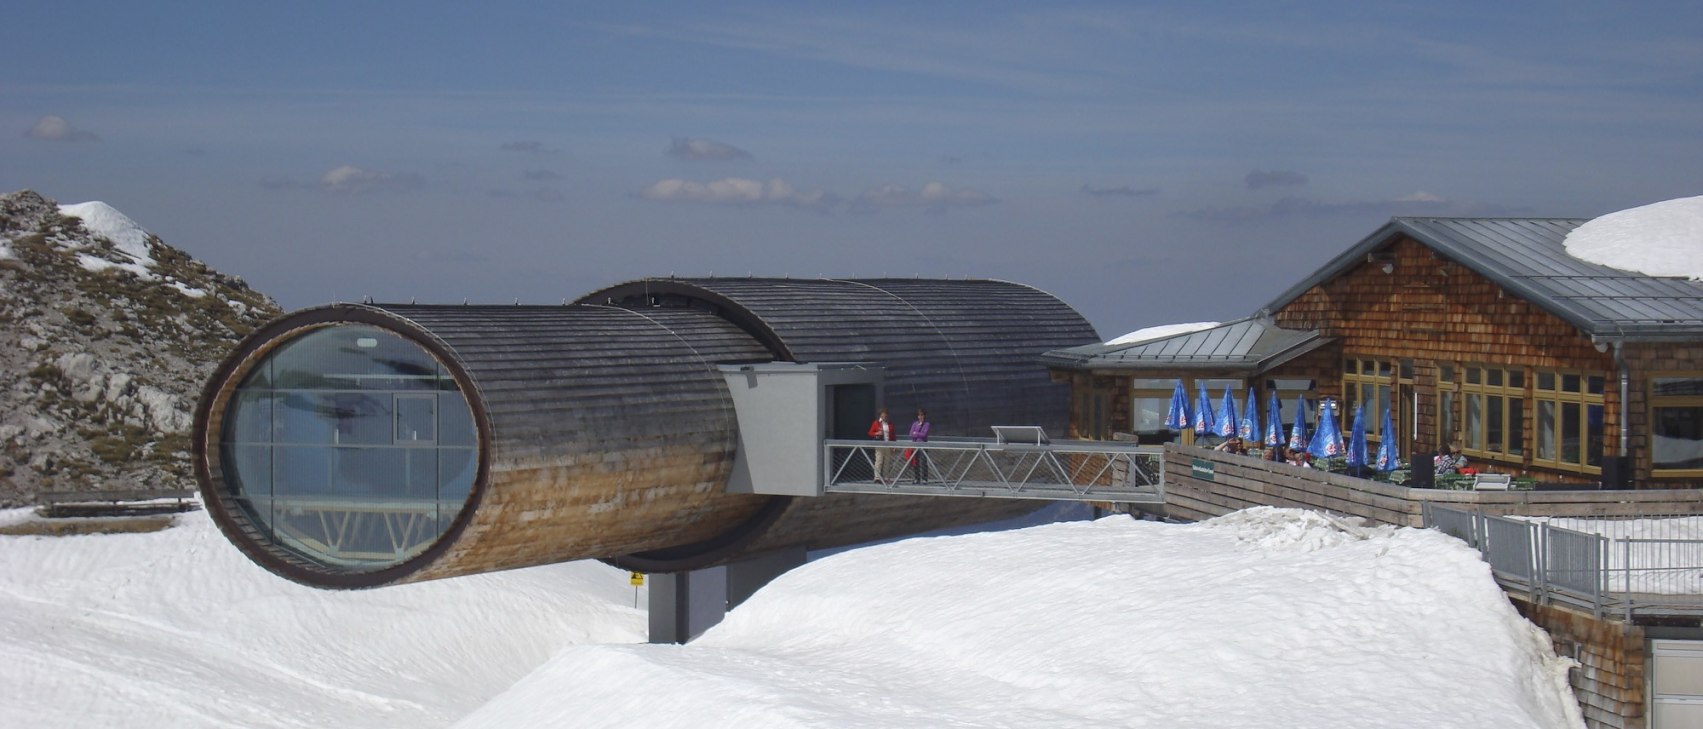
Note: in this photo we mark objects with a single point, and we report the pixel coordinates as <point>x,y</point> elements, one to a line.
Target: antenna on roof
<point>517,301</point>
<point>366,299</point>
<point>411,300</point>
<point>463,301</point>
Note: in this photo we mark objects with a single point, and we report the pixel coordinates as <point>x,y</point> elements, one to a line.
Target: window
<point>1568,417</point>
<point>1149,401</point>
<point>1493,400</point>
<point>1676,417</point>
<point>1366,381</point>
<point>1448,419</point>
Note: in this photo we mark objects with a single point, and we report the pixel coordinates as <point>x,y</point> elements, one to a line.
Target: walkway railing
<point>1061,470</point>
<point>1644,565</point>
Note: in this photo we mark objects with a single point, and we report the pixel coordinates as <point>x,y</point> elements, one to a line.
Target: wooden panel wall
<point>1610,678</point>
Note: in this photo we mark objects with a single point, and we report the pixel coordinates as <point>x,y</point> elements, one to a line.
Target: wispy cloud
<point>526,147</point>
<point>1259,179</point>
<point>1418,203</point>
<point>700,149</point>
<point>1119,191</point>
<point>350,180</point>
<point>934,197</point>
<point>737,191</point>
<point>56,129</point>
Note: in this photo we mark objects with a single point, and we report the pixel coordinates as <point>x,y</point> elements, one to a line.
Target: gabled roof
<point>1526,256</point>
<point>1254,344</point>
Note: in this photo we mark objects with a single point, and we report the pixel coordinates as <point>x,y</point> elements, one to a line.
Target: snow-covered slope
<point>177,629</point>
<point>1265,618</point>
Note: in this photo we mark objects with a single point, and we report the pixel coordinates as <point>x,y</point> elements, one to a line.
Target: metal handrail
<point>1060,470</point>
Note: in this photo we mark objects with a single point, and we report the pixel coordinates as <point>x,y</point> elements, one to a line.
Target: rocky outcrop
<point>106,335</point>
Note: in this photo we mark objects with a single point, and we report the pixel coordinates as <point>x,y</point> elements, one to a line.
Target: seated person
<point>1450,460</point>
<point>1233,446</point>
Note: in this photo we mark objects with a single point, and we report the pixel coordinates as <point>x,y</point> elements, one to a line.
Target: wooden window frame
<point>1654,401</point>
<point>1485,392</point>
<point>1584,398</point>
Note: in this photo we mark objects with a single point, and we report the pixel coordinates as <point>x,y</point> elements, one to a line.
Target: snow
<point>6,248</point>
<point>1660,239</point>
<point>105,221</point>
<point>1162,331</point>
<point>1263,618</point>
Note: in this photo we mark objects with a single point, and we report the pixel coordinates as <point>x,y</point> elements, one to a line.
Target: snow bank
<point>1661,239</point>
<point>1264,618</point>
<point>1162,331</point>
<point>177,629</point>
<point>105,221</point>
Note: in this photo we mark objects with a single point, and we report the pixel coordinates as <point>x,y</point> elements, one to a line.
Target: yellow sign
<point>637,579</point>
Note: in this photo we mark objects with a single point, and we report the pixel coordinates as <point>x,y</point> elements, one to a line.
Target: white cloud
<point>696,148</point>
<point>736,191</point>
<point>56,129</point>
<point>349,179</point>
<point>934,196</point>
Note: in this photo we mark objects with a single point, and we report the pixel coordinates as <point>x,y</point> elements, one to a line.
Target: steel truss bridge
<point>1073,470</point>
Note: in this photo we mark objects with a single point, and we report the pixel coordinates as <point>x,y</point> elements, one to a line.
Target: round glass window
<point>349,446</point>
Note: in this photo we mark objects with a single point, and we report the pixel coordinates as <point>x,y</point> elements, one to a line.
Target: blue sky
<point>1150,163</point>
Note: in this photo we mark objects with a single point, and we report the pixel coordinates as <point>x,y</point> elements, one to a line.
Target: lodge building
<point>1481,332</point>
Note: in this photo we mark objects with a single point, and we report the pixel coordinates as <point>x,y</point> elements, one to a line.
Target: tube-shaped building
<point>359,445</point>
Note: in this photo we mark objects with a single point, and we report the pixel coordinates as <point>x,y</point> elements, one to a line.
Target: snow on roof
<point>1660,239</point>
<point>105,221</point>
<point>1162,331</point>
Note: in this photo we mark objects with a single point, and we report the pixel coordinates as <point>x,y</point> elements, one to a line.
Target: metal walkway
<point>1076,470</point>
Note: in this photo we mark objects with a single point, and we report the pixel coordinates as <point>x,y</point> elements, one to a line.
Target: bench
<point>1492,482</point>
<point>135,502</point>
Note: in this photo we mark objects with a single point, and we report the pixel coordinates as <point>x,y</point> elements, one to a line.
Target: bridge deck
<point>985,468</point>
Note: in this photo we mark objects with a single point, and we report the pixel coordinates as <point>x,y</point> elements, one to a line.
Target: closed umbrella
<point>1249,426</point>
<point>1274,422</point>
<point>1357,440</point>
<point>1327,440</point>
<point>1226,417</point>
<point>1177,417</point>
<point>1387,449</point>
<point>1203,414</point>
<point>1298,436</point>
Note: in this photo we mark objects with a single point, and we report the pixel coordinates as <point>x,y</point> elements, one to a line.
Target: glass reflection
<point>350,446</point>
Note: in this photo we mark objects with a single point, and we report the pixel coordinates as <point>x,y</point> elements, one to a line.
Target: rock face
<point>106,336</point>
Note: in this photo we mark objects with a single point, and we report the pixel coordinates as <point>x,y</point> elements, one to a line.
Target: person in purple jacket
<point>919,434</point>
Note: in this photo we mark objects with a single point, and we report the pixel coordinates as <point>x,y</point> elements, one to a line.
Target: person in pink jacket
<point>917,459</point>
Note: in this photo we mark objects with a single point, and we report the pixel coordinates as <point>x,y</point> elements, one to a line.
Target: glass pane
<point>1407,369</point>
<point>1516,426</point>
<point>416,419</point>
<point>1593,384</point>
<point>421,479</point>
<point>1570,383</point>
<point>1148,414</point>
<point>332,418</point>
<point>456,469</point>
<point>250,418</point>
<point>1678,386</point>
<point>1376,419</point>
<point>1474,375</point>
<point>1545,430</point>
<point>1546,380</point>
<point>1351,365</point>
<point>1383,369</point>
<point>251,470</point>
<point>1151,383</point>
<point>1493,378</point>
<point>1446,372</point>
<point>1474,421</point>
<point>1678,441</point>
<point>1571,447</point>
<point>301,471</point>
<point>1493,432</point>
<point>1517,378</point>
<point>1216,388</point>
<point>455,420</point>
<point>1446,429</point>
<point>367,471</point>
<point>1368,367</point>
<point>1594,435</point>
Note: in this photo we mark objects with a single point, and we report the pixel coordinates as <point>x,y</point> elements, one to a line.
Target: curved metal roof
<point>1527,256</point>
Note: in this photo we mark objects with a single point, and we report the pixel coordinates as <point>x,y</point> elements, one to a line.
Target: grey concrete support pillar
<point>685,604</point>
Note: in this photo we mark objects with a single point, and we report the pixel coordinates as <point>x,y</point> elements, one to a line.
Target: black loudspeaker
<point>1617,472</point>
<point>1422,472</point>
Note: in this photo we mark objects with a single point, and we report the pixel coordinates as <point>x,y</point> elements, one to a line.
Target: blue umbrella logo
<point>1327,442</point>
<point>1203,414</point>
<point>1357,439</point>
<point>1298,436</point>
<point>1249,426</point>
<point>1274,422</point>
<point>1387,449</point>
<point>1227,415</point>
<point>1177,417</point>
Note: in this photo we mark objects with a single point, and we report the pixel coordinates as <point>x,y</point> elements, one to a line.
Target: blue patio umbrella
<point>1249,426</point>
<point>1386,461</point>
<point>1177,417</point>
<point>1357,439</point>
<point>1298,436</point>
<point>1203,414</point>
<point>1274,422</point>
<point>1327,440</point>
<point>1226,417</point>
